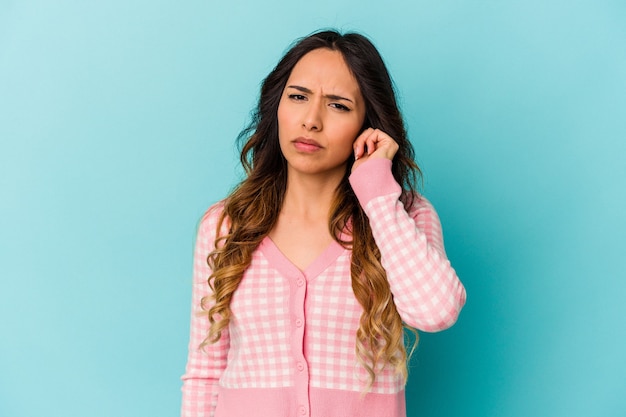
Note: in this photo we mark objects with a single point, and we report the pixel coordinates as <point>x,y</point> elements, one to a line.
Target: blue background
<point>117,128</point>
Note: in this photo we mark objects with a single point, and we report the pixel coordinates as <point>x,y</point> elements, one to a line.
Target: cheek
<point>284,120</point>
<point>348,134</point>
<point>280,115</point>
<point>282,125</point>
<point>285,114</point>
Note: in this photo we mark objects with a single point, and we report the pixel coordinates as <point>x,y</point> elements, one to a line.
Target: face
<point>320,114</point>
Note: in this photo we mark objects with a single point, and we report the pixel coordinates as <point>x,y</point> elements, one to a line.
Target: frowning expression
<point>320,114</point>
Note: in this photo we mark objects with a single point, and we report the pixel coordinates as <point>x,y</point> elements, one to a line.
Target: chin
<point>315,169</point>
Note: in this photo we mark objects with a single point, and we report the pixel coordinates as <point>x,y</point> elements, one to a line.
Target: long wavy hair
<point>252,209</point>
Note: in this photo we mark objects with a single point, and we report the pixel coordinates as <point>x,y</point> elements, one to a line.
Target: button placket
<point>298,328</point>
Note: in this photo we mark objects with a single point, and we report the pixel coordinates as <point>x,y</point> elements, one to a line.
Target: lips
<point>306,145</point>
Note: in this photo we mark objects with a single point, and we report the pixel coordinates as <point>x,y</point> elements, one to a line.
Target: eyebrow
<point>330,96</point>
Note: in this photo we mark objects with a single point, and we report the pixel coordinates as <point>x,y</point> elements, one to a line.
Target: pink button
<point>299,323</point>
<point>300,366</point>
<point>302,410</point>
<point>300,282</point>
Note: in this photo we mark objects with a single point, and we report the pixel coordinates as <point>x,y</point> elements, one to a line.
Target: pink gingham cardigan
<point>289,350</point>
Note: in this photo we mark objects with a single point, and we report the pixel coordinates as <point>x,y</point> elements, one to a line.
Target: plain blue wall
<point>117,124</point>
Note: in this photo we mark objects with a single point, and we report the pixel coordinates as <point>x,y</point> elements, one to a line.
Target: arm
<point>426,290</point>
<point>204,366</point>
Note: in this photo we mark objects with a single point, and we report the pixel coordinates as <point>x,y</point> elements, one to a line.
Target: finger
<point>377,140</point>
<point>360,143</point>
<point>371,142</point>
<point>382,145</point>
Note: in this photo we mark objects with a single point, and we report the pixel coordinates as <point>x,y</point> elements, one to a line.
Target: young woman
<point>307,273</point>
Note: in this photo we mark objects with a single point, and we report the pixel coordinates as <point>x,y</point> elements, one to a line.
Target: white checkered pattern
<point>427,292</point>
<point>259,338</point>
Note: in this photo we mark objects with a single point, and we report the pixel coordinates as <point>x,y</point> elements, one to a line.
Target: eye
<point>339,106</point>
<point>297,97</point>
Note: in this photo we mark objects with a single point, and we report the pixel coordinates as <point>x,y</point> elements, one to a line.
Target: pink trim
<point>282,402</point>
<point>373,179</point>
<point>279,261</point>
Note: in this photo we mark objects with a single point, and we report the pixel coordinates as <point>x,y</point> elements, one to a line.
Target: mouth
<point>306,145</point>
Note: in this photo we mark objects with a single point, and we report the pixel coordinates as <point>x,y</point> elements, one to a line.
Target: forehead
<point>325,69</point>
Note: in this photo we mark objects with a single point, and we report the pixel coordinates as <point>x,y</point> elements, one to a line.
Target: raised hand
<point>373,143</point>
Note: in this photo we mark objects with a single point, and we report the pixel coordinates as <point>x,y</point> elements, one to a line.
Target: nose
<point>312,119</point>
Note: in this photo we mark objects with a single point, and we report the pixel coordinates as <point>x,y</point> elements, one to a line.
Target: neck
<point>310,196</point>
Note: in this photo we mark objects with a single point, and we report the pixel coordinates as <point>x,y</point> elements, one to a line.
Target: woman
<point>306,274</point>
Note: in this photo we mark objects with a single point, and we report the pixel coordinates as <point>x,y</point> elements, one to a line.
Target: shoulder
<point>427,221</point>
<point>419,207</point>
<point>211,220</point>
<point>416,202</point>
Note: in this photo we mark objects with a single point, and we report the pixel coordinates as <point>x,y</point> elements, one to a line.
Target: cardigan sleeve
<point>204,365</point>
<point>426,290</point>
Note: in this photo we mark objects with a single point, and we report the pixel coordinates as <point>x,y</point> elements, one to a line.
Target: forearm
<point>426,289</point>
